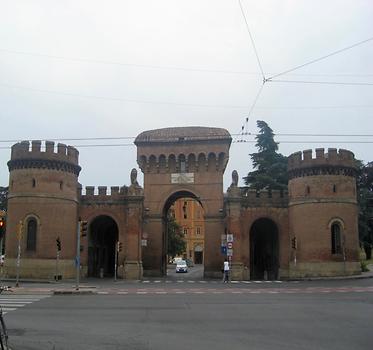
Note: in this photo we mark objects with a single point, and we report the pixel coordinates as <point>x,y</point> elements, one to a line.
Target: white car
<point>181,266</point>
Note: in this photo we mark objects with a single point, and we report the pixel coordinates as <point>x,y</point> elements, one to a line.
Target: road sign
<point>229,252</point>
<point>229,245</point>
<point>229,237</point>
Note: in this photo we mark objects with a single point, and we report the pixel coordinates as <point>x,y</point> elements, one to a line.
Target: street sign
<point>229,252</point>
<point>144,242</point>
<point>229,245</point>
<point>229,237</point>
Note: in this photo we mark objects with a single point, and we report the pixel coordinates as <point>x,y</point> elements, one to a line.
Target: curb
<point>74,292</point>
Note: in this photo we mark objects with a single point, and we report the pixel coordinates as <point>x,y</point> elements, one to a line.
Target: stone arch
<point>103,234</point>
<point>162,163</point>
<point>211,162</point>
<point>191,162</point>
<point>202,162</point>
<point>142,162</point>
<point>264,249</point>
<point>172,163</point>
<point>221,161</point>
<point>181,164</point>
<point>152,164</point>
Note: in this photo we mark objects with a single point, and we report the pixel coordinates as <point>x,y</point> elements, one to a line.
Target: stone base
<point>329,269</point>
<point>132,270</point>
<point>40,269</point>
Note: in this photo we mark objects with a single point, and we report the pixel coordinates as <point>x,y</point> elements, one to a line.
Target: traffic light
<point>83,228</point>
<point>2,227</point>
<point>119,246</point>
<point>58,242</point>
<point>294,242</point>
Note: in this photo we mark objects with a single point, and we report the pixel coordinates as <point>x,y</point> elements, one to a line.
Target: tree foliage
<point>3,198</point>
<point>365,200</point>
<point>270,167</point>
<point>176,244</point>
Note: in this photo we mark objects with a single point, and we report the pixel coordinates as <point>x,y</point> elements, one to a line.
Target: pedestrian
<point>226,271</point>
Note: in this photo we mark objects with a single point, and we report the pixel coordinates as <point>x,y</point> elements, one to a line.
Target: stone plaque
<point>182,178</point>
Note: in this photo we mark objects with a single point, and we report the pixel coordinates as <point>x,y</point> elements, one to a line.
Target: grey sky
<point>71,69</point>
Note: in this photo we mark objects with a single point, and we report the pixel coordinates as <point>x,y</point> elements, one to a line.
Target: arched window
<point>31,234</point>
<point>336,238</point>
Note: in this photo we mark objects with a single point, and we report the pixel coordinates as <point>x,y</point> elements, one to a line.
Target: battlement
<point>103,192</point>
<point>37,149</point>
<point>305,159</point>
<point>262,198</point>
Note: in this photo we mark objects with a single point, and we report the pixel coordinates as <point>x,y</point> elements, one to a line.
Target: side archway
<point>103,236</point>
<point>264,250</point>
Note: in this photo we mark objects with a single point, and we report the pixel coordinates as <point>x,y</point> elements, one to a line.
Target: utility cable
<point>320,58</point>
<point>252,41</point>
<point>318,82</point>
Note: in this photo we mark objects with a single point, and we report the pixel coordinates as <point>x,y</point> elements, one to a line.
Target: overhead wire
<point>321,58</point>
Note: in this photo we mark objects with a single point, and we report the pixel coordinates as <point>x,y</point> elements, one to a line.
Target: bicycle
<point>3,330</point>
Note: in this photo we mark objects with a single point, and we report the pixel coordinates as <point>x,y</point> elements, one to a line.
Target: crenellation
<point>49,146</point>
<point>90,190</point>
<point>36,146</point>
<point>332,154</point>
<point>44,151</point>
<point>320,153</point>
<point>305,159</point>
<point>102,190</point>
<point>61,148</point>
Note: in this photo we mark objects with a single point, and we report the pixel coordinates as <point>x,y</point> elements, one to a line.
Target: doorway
<point>103,235</point>
<point>264,250</point>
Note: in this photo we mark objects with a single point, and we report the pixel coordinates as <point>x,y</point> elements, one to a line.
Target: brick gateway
<point>311,230</point>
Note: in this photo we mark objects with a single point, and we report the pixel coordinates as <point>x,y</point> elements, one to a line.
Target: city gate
<point>176,163</point>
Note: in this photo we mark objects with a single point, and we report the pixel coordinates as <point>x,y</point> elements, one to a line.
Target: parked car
<point>181,266</point>
<point>189,262</point>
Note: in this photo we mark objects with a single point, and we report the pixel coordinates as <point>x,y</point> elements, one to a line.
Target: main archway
<point>103,236</point>
<point>264,250</point>
<point>185,210</point>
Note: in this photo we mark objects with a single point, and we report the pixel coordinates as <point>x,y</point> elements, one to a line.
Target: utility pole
<point>116,260</point>
<point>81,231</point>
<point>77,258</point>
<point>19,236</point>
<point>58,244</point>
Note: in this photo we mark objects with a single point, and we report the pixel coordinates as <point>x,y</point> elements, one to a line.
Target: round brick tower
<point>323,214</point>
<point>43,197</point>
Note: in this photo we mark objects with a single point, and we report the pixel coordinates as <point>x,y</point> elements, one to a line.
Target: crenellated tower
<point>323,213</point>
<point>43,184</point>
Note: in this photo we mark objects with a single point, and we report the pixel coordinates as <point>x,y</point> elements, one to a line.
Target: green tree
<point>270,167</point>
<point>176,244</point>
<point>3,198</point>
<point>365,201</point>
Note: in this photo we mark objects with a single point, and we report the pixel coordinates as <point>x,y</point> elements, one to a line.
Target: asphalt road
<point>178,316</point>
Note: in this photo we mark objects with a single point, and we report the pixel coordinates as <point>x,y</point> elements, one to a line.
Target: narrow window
<point>334,188</point>
<point>31,235</point>
<point>61,185</point>
<point>185,231</point>
<point>336,239</point>
<point>198,231</point>
<point>185,210</point>
<point>182,166</point>
<point>33,182</point>
<point>308,190</point>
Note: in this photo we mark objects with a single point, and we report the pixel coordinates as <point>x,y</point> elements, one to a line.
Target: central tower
<point>182,162</point>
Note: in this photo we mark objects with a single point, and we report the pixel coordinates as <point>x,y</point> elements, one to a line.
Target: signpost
<point>58,246</point>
